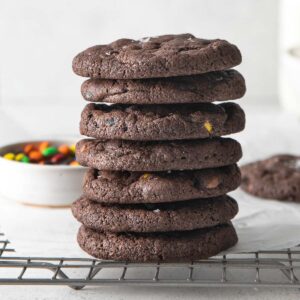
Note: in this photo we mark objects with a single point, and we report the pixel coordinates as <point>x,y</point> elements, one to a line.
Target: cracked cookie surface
<point>161,56</point>
<point>277,177</point>
<point>161,122</point>
<point>177,216</point>
<point>208,87</point>
<point>158,247</point>
<point>139,187</point>
<point>121,155</point>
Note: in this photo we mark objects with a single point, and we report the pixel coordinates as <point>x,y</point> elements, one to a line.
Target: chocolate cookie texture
<point>277,177</point>
<point>138,187</point>
<point>162,56</point>
<point>208,87</point>
<point>178,216</point>
<point>157,247</point>
<point>161,122</point>
<point>118,155</point>
<point>159,166</point>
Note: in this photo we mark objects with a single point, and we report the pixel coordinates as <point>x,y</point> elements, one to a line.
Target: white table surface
<point>269,131</point>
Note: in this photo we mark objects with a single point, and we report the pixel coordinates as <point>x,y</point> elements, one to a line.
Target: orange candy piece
<point>74,163</point>
<point>35,155</point>
<point>28,148</point>
<point>43,146</point>
<point>64,149</point>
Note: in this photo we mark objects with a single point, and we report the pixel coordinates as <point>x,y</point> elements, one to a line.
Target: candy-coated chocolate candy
<point>43,146</point>
<point>57,158</point>
<point>208,126</point>
<point>49,151</point>
<point>28,148</point>
<point>72,148</point>
<point>9,156</point>
<point>146,176</point>
<point>25,159</point>
<point>44,153</point>
<point>19,156</point>
<point>35,155</point>
<point>64,149</point>
<point>74,163</point>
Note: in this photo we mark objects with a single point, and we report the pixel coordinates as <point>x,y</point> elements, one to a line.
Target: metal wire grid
<point>239,270</point>
<point>4,245</point>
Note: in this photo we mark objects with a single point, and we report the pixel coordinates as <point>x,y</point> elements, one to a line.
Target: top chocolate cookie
<point>161,56</point>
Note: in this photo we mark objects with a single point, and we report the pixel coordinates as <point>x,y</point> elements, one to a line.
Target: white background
<point>40,38</point>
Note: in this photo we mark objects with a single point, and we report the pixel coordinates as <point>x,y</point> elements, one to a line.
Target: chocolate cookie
<point>137,187</point>
<point>161,56</point>
<point>158,247</point>
<point>277,177</point>
<point>208,87</point>
<point>161,122</point>
<point>177,216</point>
<point>118,155</point>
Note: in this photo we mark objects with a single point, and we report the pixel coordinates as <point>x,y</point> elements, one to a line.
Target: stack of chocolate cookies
<point>159,168</point>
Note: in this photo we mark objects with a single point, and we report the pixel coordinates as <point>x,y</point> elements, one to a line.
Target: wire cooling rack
<point>240,270</point>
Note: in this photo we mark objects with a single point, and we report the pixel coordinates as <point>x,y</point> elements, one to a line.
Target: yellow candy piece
<point>72,148</point>
<point>146,176</point>
<point>19,156</point>
<point>9,156</point>
<point>208,126</point>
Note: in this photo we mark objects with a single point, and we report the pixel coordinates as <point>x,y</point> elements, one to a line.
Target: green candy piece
<point>25,159</point>
<point>49,151</point>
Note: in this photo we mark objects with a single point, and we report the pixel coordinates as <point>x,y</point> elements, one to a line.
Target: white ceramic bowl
<point>46,185</point>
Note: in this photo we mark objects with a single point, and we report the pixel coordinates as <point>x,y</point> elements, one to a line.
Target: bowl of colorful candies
<point>40,173</point>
